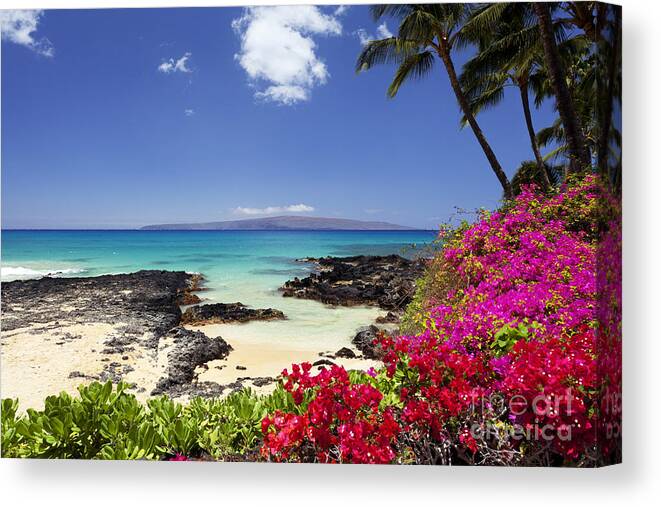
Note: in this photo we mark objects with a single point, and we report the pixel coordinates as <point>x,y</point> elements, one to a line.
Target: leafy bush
<point>415,315</point>
<point>109,423</point>
<point>438,284</point>
<point>11,441</point>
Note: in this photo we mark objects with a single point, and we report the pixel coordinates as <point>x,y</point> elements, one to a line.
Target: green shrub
<point>438,281</point>
<point>11,439</point>
<point>106,422</point>
<point>99,423</point>
<point>412,321</point>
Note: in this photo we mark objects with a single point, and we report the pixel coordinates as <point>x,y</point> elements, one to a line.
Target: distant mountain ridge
<point>283,223</point>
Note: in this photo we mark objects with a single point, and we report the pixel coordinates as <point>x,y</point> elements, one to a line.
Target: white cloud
<point>278,52</point>
<point>363,36</point>
<point>189,112</point>
<point>19,27</point>
<point>382,33</point>
<point>284,94</point>
<point>172,65</point>
<point>341,10</point>
<point>270,210</point>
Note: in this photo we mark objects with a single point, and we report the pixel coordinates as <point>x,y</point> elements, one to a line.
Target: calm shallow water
<point>245,266</point>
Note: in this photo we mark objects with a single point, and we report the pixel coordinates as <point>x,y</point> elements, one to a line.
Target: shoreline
<point>58,333</point>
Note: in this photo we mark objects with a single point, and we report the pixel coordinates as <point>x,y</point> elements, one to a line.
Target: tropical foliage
<point>568,52</point>
<point>106,422</point>
<point>427,32</point>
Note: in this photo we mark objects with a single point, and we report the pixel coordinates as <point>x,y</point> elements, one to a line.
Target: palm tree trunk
<point>579,155</point>
<point>604,137</point>
<point>541,166</point>
<point>444,53</point>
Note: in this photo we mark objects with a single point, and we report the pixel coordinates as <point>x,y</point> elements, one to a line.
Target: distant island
<point>284,223</point>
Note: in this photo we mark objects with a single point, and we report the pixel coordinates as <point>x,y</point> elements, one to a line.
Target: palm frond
<point>540,86</point>
<point>392,10</point>
<point>553,134</point>
<point>560,151</point>
<point>528,173</point>
<point>484,19</point>
<point>484,99</point>
<point>413,67</point>
<point>421,26</point>
<point>383,51</point>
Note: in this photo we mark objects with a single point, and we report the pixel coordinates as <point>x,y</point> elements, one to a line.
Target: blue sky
<point>121,118</point>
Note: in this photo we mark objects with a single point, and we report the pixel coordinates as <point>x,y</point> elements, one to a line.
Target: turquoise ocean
<point>245,266</point>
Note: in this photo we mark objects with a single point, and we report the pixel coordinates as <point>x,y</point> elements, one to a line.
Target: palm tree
<point>578,152</point>
<point>426,32</point>
<point>508,55</point>
<point>593,77</point>
<point>592,63</point>
<point>588,17</point>
<point>611,86</point>
<point>528,173</point>
<point>579,63</point>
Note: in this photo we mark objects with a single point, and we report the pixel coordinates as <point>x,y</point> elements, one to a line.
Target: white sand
<point>33,365</point>
<point>265,358</point>
<point>36,361</point>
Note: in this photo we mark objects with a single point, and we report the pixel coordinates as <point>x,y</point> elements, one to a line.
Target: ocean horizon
<point>144,229</point>
<point>91,251</point>
<point>238,266</point>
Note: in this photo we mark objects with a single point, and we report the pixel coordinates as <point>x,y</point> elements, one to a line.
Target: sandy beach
<point>39,360</point>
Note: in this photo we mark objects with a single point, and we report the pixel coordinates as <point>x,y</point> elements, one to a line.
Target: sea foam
<point>9,273</point>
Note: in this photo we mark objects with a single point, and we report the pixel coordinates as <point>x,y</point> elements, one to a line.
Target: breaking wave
<point>9,273</point>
